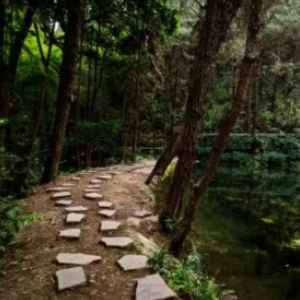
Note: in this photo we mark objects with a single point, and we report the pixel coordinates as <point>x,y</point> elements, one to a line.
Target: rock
<point>107,213</point>
<point>152,219</point>
<point>77,259</point>
<point>133,262</point>
<point>93,196</point>
<point>76,209</point>
<point>142,213</point>
<point>64,202</point>
<point>91,190</point>
<point>75,178</point>
<point>105,204</point>
<point>105,177</point>
<point>153,287</point>
<point>68,184</point>
<point>95,181</point>
<point>70,233</point>
<point>74,218</point>
<point>109,225</point>
<point>61,195</point>
<point>70,278</point>
<point>118,242</point>
<point>133,222</point>
<point>114,172</point>
<point>58,189</point>
<point>93,186</point>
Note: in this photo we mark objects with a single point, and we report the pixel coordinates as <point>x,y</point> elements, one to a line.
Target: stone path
<point>148,288</point>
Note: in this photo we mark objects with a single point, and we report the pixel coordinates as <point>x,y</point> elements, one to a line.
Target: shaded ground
<point>30,263</point>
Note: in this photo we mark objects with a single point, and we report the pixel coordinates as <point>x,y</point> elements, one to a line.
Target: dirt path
<point>30,263</point>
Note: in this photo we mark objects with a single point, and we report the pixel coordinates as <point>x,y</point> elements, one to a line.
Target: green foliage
<point>188,277</point>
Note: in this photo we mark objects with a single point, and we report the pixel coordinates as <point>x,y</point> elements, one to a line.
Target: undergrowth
<point>188,278</point>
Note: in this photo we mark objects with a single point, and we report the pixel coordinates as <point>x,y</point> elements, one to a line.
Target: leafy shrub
<point>188,278</point>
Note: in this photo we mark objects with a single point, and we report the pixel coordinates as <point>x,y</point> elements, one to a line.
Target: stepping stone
<point>153,287</point>
<point>93,196</point>
<point>77,259</point>
<point>70,278</point>
<point>68,184</point>
<point>64,202</point>
<point>91,190</point>
<point>109,225</point>
<point>117,242</point>
<point>114,172</point>
<point>95,181</point>
<point>133,262</point>
<point>61,195</point>
<point>94,186</point>
<point>142,213</point>
<point>76,209</point>
<point>75,178</point>
<point>58,189</point>
<point>70,233</point>
<point>105,204</point>
<point>105,177</point>
<point>107,213</point>
<point>74,218</point>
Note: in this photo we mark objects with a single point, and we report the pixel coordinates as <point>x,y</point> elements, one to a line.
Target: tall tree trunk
<point>218,18</point>
<point>9,70</point>
<point>64,96</point>
<point>251,56</point>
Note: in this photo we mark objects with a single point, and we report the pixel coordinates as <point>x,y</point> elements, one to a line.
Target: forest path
<point>30,263</point>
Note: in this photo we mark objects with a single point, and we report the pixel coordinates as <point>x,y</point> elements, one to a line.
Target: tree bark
<point>64,96</point>
<point>250,58</point>
<point>218,18</point>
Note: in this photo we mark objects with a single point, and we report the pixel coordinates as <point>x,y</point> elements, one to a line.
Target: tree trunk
<point>218,18</point>
<point>64,96</point>
<point>250,58</point>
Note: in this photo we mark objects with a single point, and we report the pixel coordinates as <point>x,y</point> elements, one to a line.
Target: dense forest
<point>207,89</point>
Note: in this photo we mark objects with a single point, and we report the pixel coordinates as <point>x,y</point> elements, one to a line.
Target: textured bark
<point>218,18</point>
<point>250,58</point>
<point>67,76</point>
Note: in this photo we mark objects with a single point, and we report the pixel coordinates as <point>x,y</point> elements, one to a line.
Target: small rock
<point>76,259</point>
<point>153,287</point>
<point>68,184</point>
<point>133,222</point>
<point>107,213</point>
<point>133,262</point>
<point>142,213</point>
<point>64,202</point>
<point>61,195</point>
<point>105,204</point>
<point>74,218</point>
<point>95,181</point>
<point>76,209</point>
<point>93,196</point>
<point>70,233</point>
<point>70,278</point>
<point>58,189</point>
<point>105,177</point>
<point>118,242</point>
<point>109,225</point>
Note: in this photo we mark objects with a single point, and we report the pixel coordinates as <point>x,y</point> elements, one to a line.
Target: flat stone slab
<point>70,278</point>
<point>95,181</point>
<point>76,209</point>
<point>61,195</point>
<point>117,242</point>
<point>153,287</point>
<point>142,213</point>
<point>74,218</point>
<point>94,186</point>
<point>70,233</point>
<point>105,177</point>
<point>63,202</point>
<point>114,172</point>
<point>109,225</point>
<point>93,196</point>
<point>133,262</point>
<point>68,184</point>
<point>91,190</point>
<point>77,259</point>
<point>105,204</point>
<point>107,213</point>
<point>75,178</point>
<point>58,189</point>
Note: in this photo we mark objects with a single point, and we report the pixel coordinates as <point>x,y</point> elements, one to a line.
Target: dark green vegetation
<point>90,83</point>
